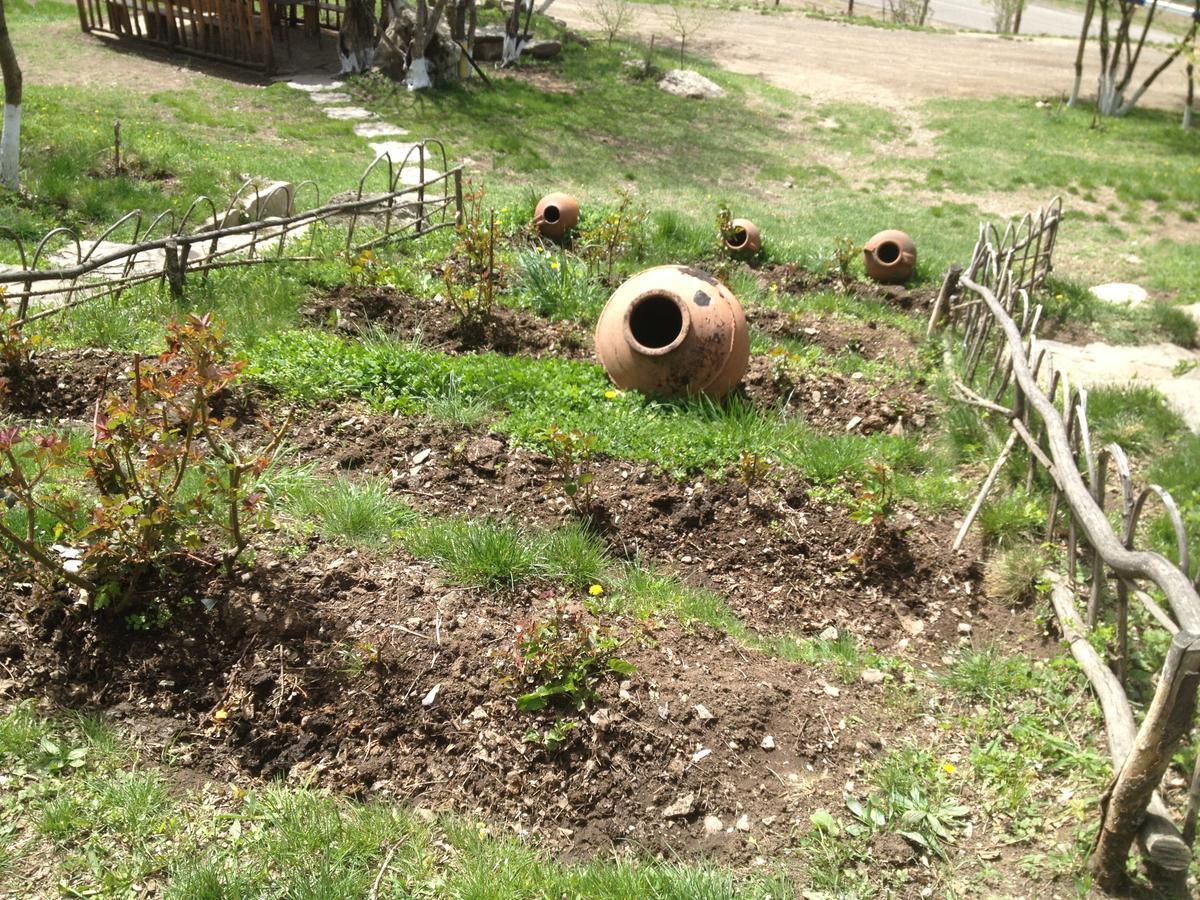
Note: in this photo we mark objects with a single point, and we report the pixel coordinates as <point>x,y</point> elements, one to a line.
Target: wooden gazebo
<point>245,32</point>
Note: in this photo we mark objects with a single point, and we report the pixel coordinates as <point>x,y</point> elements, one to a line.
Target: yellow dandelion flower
<point>596,590</point>
<point>609,395</point>
<point>949,768</point>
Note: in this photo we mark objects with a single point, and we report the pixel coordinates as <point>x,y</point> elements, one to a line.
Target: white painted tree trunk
<point>511,51</point>
<point>1108,100</point>
<point>418,78</point>
<point>10,148</point>
<point>357,61</point>
<point>1075,90</point>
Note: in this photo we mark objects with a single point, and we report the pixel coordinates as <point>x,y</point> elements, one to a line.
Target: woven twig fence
<point>392,202</point>
<point>1003,371</point>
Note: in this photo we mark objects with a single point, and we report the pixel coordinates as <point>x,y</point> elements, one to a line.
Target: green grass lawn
<point>1008,731</point>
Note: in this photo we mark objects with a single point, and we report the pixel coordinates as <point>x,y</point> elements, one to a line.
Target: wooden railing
<point>1003,372</point>
<point>391,203</point>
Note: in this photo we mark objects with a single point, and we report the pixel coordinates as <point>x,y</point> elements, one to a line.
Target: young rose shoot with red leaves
<point>145,442</point>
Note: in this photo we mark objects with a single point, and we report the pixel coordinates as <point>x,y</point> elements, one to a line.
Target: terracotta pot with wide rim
<point>556,214</point>
<point>743,236</point>
<point>890,256</point>
<point>674,331</point>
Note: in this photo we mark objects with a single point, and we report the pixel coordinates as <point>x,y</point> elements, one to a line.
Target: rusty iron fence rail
<point>392,202</point>
<point>1002,370</point>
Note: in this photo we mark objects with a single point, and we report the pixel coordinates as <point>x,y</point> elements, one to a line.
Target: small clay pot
<point>674,331</point>
<point>743,237</point>
<point>890,257</point>
<point>556,214</point>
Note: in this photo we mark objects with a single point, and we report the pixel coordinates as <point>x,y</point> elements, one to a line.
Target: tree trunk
<point>356,38</point>
<point>418,78</point>
<point>513,44</point>
<point>1017,19</point>
<point>10,140</point>
<point>1191,93</point>
<point>1083,36</point>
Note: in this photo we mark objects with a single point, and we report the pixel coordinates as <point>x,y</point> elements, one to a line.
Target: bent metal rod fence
<point>1003,371</point>
<point>391,203</point>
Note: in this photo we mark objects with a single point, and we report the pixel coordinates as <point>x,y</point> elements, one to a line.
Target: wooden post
<point>1167,721</point>
<point>458,198</point>
<point>1159,837</point>
<point>941,305</point>
<point>264,13</point>
<point>175,267</point>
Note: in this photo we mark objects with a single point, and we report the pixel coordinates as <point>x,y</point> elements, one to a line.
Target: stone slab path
<point>337,105</point>
<point>1173,371</point>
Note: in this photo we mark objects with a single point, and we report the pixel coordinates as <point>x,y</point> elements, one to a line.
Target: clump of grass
<point>576,554</point>
<point>1011,573</point>
<point>1178,326</point>
<point>1135,416</point>
<point>1012,516</point>
<point>481,552</point>
<point>359,513</point>
<point>557,285</point>
<point>987,676</point>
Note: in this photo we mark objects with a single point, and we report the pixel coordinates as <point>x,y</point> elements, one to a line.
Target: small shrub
<point>615,233</point>
<point>873,502</point>
<point>472,274</point>
<point>753,469</point>
<point>571,454</point>
<point>563,656</point>
<point>165,474</point>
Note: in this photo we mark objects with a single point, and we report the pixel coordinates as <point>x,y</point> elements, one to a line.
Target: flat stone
<point>713,825</point>
<point>312,83</point>
<point>1120,294</point>
<point>683,807</point>
<point>1149,365</point>
<point>378,130</point>
<point>330,97</point>
<point>686,83</point>
<point>396,151</point>
<point>348,113</point>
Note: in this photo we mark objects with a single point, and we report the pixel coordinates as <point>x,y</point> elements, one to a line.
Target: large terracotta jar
<point>890,256</point>
<point>556,214</point>
<point>743,237</point>
<point>674,331</point>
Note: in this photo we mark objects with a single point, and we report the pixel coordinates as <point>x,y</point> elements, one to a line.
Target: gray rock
<point>686,83</point>
<point>542,49</point>
<point>683,807</point>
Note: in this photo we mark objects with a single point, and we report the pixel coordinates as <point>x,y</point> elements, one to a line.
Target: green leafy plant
<point>845,251</point>
<point>602,243</point>
<point>571,454</point>
<point>365,269</point>
<point>563,656</point>
<point>471,275</point>
<point>553,738</point>
<point>874,501</point>
<point>753,469</point>
<point>724,228</point>
<point>149,444</point>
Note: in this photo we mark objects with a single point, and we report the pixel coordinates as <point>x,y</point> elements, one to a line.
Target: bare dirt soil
<point>831,61</point>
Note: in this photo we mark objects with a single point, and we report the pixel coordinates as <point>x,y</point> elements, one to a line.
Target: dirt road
<point>831,60</point>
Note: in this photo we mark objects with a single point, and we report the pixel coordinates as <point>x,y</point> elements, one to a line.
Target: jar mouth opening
<point>656,322</point>
<point>736,238</point>
<point>551,213</point>
<point>888,252</point>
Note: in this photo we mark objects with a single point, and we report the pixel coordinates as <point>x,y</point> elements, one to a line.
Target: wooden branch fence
<point>392,202</point>
<point>1002,370</point>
